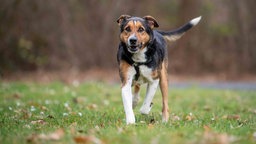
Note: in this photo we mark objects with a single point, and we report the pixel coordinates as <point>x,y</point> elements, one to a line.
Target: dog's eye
<point>141,29</point>
<point>128,29</point>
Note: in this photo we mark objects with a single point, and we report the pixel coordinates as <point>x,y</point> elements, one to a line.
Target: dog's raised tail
<point>177,33</point>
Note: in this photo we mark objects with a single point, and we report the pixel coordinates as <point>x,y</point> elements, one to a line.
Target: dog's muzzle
<point>133,45</point>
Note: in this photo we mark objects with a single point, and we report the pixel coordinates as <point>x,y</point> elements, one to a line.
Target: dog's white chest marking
<point>145,75</point>
<point>140,56</point>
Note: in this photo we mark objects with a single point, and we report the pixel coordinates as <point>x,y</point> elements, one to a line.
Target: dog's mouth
<point>134,48</point>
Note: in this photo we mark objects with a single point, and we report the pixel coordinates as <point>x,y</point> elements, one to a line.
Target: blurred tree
<point>76,34</point>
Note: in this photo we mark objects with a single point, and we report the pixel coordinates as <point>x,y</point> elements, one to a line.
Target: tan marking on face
<point>123,70</point>
<point>137,28</point>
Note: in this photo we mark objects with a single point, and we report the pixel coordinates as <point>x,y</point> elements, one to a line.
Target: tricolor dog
<point>142,58</point>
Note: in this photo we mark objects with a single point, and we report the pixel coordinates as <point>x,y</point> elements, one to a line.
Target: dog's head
<point>136,32</point>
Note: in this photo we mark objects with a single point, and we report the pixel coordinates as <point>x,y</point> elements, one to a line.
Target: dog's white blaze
<point>151,90</point>
<point>195,21</point>
<point>127,97</point>
<point>134,22</point>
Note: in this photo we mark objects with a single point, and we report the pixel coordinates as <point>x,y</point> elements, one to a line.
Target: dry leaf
<point>207,108</point>
<point>253,111</point>
<point>92,106</point>
<point>42,122</point>
<point>73,128</point>
<point>79,100</point>
<point>57,135</point>
<point>150,126</point>
<point>189,118</point>
<point>207,128</point>
<point>87,139</point>
<point>231,117</point>
<point>211,137</point>
<point>44,108</point>
<point>234,117</point>
<point>17,95</point>
<point>26,114</point>
<point>32,138</point>
<point>175,118</point>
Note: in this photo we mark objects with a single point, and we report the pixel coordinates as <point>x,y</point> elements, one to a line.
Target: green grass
<point>93,112</point>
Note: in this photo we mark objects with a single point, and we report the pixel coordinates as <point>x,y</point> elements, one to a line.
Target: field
<point>92,112</point>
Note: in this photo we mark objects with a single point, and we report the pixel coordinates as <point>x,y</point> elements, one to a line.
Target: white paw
<point>130,120</point>
<point>145,109</point>
<point>164,120</point>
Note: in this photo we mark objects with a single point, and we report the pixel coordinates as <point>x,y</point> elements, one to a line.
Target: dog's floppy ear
<point>122,18</point>
<point>151,21</point>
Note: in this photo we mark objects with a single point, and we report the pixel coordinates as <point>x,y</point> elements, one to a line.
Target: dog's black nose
<point>133,41</point>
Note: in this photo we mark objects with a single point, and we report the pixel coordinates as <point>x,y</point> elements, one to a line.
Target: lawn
<point>92,112</point>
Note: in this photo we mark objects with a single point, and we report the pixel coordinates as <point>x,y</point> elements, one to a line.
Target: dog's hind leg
<point>136,95</point>
<point>164,91</point>
<point>151,90</point>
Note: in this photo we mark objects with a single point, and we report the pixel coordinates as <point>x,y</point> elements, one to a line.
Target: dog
<point>142,58</point>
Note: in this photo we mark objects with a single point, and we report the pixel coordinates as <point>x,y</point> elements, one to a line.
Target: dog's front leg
<point>151,90</point>
<point>127,102</point>
<point>127,73</point>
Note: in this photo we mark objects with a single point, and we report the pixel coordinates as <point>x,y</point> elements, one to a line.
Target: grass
<point>92,112</point>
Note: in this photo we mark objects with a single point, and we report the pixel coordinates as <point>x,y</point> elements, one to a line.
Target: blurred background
<point>81,35</point>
